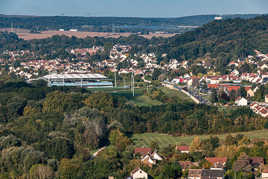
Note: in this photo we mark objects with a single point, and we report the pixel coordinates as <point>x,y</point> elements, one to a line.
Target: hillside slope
<point>227,39</point>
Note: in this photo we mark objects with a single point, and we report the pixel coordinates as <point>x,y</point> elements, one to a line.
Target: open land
<point>163,140</point>
<point>26,35</point>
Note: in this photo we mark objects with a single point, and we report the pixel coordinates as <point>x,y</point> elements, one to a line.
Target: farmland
<point>26,35</point>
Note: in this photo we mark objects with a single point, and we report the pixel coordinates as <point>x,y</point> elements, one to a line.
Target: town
<point>199,80</point>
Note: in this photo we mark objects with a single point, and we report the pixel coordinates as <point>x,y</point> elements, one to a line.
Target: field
<point>140,99</point>
<point>163,140</point>
<point>181,97</point>
<point>26,35</point>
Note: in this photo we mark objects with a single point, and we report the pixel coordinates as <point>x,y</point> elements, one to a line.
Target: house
<point>150,159</point>
<point>205,174</point>
<point>142,151</point>
<point>257,162</point>
<point>188,164</point>
<point>147,160</point>
<point>217,162</point>
<point>266,98</point>
<point>139,174</point>
<point>264,174</point>
<point>250,92</point>
<point>156,156</point>
<point>183,149</point>
<point>240,101</point>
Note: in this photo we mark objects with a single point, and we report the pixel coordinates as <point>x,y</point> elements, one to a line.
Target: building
<point>83,80</point>
<point>264,174</point>
<point>206,174</point>
<point>266,98</point>
<point>217,162</point>
<point>139,174</point>
<point>241,101</point>
<point>218,18</point>
<point>142,151</point>
<point>183,149</point>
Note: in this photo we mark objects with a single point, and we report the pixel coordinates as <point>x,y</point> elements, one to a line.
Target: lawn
<point>177,94</point>
<point>140,99</point>
<point>163,140</point>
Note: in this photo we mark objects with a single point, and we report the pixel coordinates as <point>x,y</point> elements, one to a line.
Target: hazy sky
<point>132,8</point>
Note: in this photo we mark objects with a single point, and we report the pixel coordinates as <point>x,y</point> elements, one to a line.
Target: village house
<point>241,101</point>
<point>138,174</point>
<point>151,159</point>
<point>142,151</point>
<point>183,149</point>
<point>188,164</point>
<point>264,174</point>
<point>266,98</point>
<point>205,174</point>
<point>250,92</point>
<point>217,162</point>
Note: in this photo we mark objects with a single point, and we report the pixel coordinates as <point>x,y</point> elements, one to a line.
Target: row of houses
<point>260,108</point>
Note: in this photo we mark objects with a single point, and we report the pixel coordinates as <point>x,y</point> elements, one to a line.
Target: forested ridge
<point>225,40</point>
<point>38,23</point>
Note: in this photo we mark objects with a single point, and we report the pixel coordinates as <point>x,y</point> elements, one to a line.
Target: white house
<point>264,174</point>
<point>139,174</point>
<point>156,156</point>
<point>241,101</point>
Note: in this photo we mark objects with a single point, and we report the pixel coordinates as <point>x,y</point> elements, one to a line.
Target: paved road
<point>192,94</point>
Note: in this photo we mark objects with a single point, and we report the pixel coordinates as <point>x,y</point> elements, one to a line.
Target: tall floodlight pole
<point>133,89</point>
<point>115,82</point>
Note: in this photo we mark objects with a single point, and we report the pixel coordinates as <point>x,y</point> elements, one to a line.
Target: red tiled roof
<point>183,148</point>
<point>142,151</point>
<point>265,171</point>
<point>263,111</point>
<point>258,160</point>
<point>213,86</point>
<point>247,88</point>
<point>233,88</point>
<point>214,160</point>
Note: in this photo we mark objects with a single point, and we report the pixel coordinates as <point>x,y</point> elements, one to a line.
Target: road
<point>195,96</point>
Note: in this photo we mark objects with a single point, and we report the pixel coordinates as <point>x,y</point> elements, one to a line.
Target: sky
<point>132,8</point>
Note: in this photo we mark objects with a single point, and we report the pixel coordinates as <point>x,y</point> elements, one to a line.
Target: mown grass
<point>181,97</point>
<point>163,140</point>
<point>140,99</point>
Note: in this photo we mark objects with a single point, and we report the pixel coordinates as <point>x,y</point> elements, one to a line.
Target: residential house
<point>183,149</point>
<point>150,159</point>
<point>264,174</point>
<point>205,174</point>
<point>142,151</point>
<point>156,156</point>
<point>217,162</point>
<point>139,174</point>
<point>257,162</point>
<point>188,164</point>
<point>240,101</point>
<point>266,98</point>
<point>250,92</point>
<point>147,160</point>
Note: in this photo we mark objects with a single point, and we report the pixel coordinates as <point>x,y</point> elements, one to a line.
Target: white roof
<point>75,76</point>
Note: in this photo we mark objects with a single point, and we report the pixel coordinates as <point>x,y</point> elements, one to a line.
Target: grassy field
<point>140,99</point>
<point>177,94</point>
<point>163,140</point>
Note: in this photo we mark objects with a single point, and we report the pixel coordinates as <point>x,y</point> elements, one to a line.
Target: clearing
<point>163,140</point>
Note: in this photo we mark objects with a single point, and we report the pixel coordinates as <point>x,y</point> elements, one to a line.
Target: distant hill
<point>226,39</point>
<point>108,24</point>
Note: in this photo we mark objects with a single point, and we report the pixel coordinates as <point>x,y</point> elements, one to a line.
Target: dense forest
<point>107,24</point>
